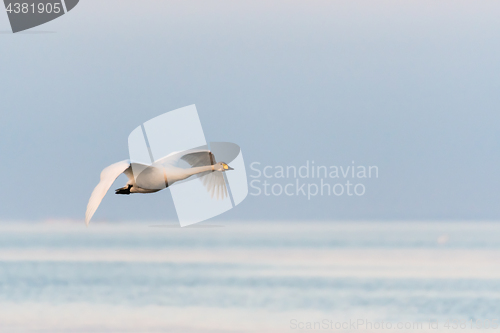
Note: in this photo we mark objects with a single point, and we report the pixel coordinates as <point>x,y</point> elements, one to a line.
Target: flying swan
<point>162,174</point>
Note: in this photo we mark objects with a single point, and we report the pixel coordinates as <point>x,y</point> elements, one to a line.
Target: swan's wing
<point>199,158</point>
<point>194,157</point>
<point>108,176</point>
<point>212,180</point>
<point>170,159</point>
<point>214,183</point>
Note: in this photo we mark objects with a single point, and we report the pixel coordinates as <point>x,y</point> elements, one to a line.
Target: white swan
<point>161,174</point>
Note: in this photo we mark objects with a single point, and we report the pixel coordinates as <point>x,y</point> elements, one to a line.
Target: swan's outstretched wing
<point>212,180</point>
<point>214,183</point>
<point>199,158</point>
<point>108,176</point>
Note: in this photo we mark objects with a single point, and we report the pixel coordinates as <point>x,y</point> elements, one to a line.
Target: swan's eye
<point>226,167</point>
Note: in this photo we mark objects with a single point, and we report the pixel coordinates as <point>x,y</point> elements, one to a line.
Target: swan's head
<point>221,166</point>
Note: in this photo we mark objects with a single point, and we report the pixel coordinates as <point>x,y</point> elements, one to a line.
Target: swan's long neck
<point>197,170</point>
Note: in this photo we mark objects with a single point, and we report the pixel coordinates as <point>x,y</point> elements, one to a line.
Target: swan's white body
<point>161,174</point>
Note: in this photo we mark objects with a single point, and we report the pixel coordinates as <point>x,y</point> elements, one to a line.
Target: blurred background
<point>410,87</point>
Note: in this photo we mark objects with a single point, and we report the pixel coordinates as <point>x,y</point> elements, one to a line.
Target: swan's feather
<point>108,176</point>
<point>199,158</point>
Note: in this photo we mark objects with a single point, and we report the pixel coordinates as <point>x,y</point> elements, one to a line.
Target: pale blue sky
<point>411,87</point>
